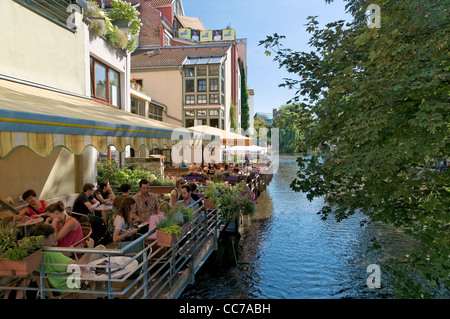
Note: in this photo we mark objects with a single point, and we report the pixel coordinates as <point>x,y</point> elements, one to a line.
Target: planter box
<point>192,177</point>
<point>21,268</point>
<point>231,178</point>
<point>163,239</point>
<point>208,203</point>
<point>161,189</point>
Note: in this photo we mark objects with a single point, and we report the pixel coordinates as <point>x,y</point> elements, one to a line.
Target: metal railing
<point>151,271</point>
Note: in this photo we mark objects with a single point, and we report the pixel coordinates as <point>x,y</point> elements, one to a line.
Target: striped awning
<point>42,119</point>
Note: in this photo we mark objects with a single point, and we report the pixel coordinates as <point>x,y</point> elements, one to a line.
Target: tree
<point>233,124</point>
<point>379,102</point>
<point>291,138</point>
<point>245,110</point>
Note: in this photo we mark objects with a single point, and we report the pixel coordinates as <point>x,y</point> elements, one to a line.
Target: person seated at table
<point>57,262</point>
<point>194,193</point>
<point>125,189</point>
<point>124,220</point>
<point>187,200</point>
<point>224,169</point>
<point>104,193</point>
<point>236,168</point>
<point>183,164</point>
<point>146,202</point>
<point>35,207</point>
<point>68,229</point>
<point>85,204</point>
<point>175,194</point>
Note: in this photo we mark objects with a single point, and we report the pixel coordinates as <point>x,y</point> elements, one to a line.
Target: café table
<point>27,225</point>
<point>98,270</point>
<point>108,207</point>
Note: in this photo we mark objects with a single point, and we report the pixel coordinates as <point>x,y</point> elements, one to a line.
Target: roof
<point>191,22</point>
<point>160,3</point>
<point>157,57</point>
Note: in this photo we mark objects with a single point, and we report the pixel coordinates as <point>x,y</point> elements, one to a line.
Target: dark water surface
<point>288,251</point>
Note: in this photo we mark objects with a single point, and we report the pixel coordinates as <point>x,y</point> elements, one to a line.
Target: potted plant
<point>19,258</point>
<point>160,184</point>
<point>173,226</point>
<point>211,193</point>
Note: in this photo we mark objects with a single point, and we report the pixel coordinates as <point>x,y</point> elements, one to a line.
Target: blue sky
<point>254,20</point>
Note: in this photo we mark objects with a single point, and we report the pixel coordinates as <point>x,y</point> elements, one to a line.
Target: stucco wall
<point>36,49</point>
<point>165,87</point>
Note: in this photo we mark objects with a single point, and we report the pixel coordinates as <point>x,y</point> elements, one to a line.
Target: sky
<point>255,20</point>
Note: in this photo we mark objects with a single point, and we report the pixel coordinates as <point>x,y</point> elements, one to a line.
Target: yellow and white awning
<point>42,120</point>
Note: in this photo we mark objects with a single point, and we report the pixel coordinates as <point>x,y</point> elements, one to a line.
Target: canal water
<point>287,251</point>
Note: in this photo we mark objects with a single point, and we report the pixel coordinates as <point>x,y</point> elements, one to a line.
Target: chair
<point>87,231</point>
<point>82,219</point>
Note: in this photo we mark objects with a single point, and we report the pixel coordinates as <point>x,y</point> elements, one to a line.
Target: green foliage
<point>375,101</point>
<point>169,226</point>
<point>117,38</point>
<point>233,116</point>
<point>231,199</point>
<point>291,137</point>
<point>245,110</point>
<point>131,174</point>
<point>174,219</point>
<point>122,10</point>
<point>16,252</point>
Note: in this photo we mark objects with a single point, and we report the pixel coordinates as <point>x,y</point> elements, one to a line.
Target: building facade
<point>64,97</point>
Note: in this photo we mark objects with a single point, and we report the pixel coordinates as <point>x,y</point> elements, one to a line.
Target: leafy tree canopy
<point>376,101</point>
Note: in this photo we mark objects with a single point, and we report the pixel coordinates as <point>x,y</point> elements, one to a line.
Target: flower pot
<point>166,240</point>
<point>193,178</point>
<point>23,267</point>
<point>161,189</point>
<point>208,203</point>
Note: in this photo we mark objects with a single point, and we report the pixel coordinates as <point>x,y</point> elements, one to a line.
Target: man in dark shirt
<point>85,204</point>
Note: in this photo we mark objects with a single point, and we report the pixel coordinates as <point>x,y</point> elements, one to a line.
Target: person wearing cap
<point>176,192</point>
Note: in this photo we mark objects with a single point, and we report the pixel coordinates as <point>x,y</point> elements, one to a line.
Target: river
<point>287,251</point>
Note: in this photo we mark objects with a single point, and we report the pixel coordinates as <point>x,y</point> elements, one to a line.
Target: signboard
<point>184,33</point>
<point>207,35</point>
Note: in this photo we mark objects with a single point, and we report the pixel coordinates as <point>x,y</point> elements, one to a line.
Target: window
<point>204,83</point>
<point>189,113</point>
<point>214,70</point>
<point>100,82</point>
<point>155,112</point>
<point>114,87</point>
<point>213,112</point>
<point>190,99</point>
<point>137,106</point>
<point>202,70</point>
<point>166,40</point>
<point>214,98</point>
<point>190,86</point>
<point>214,122</point>
<point>201,112</point>
<point>201,99</point>
<point>189,122</point>
<point>105,83</point>
<point>190,72</point>
<point>201,85</point>
<point>214,84</point>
